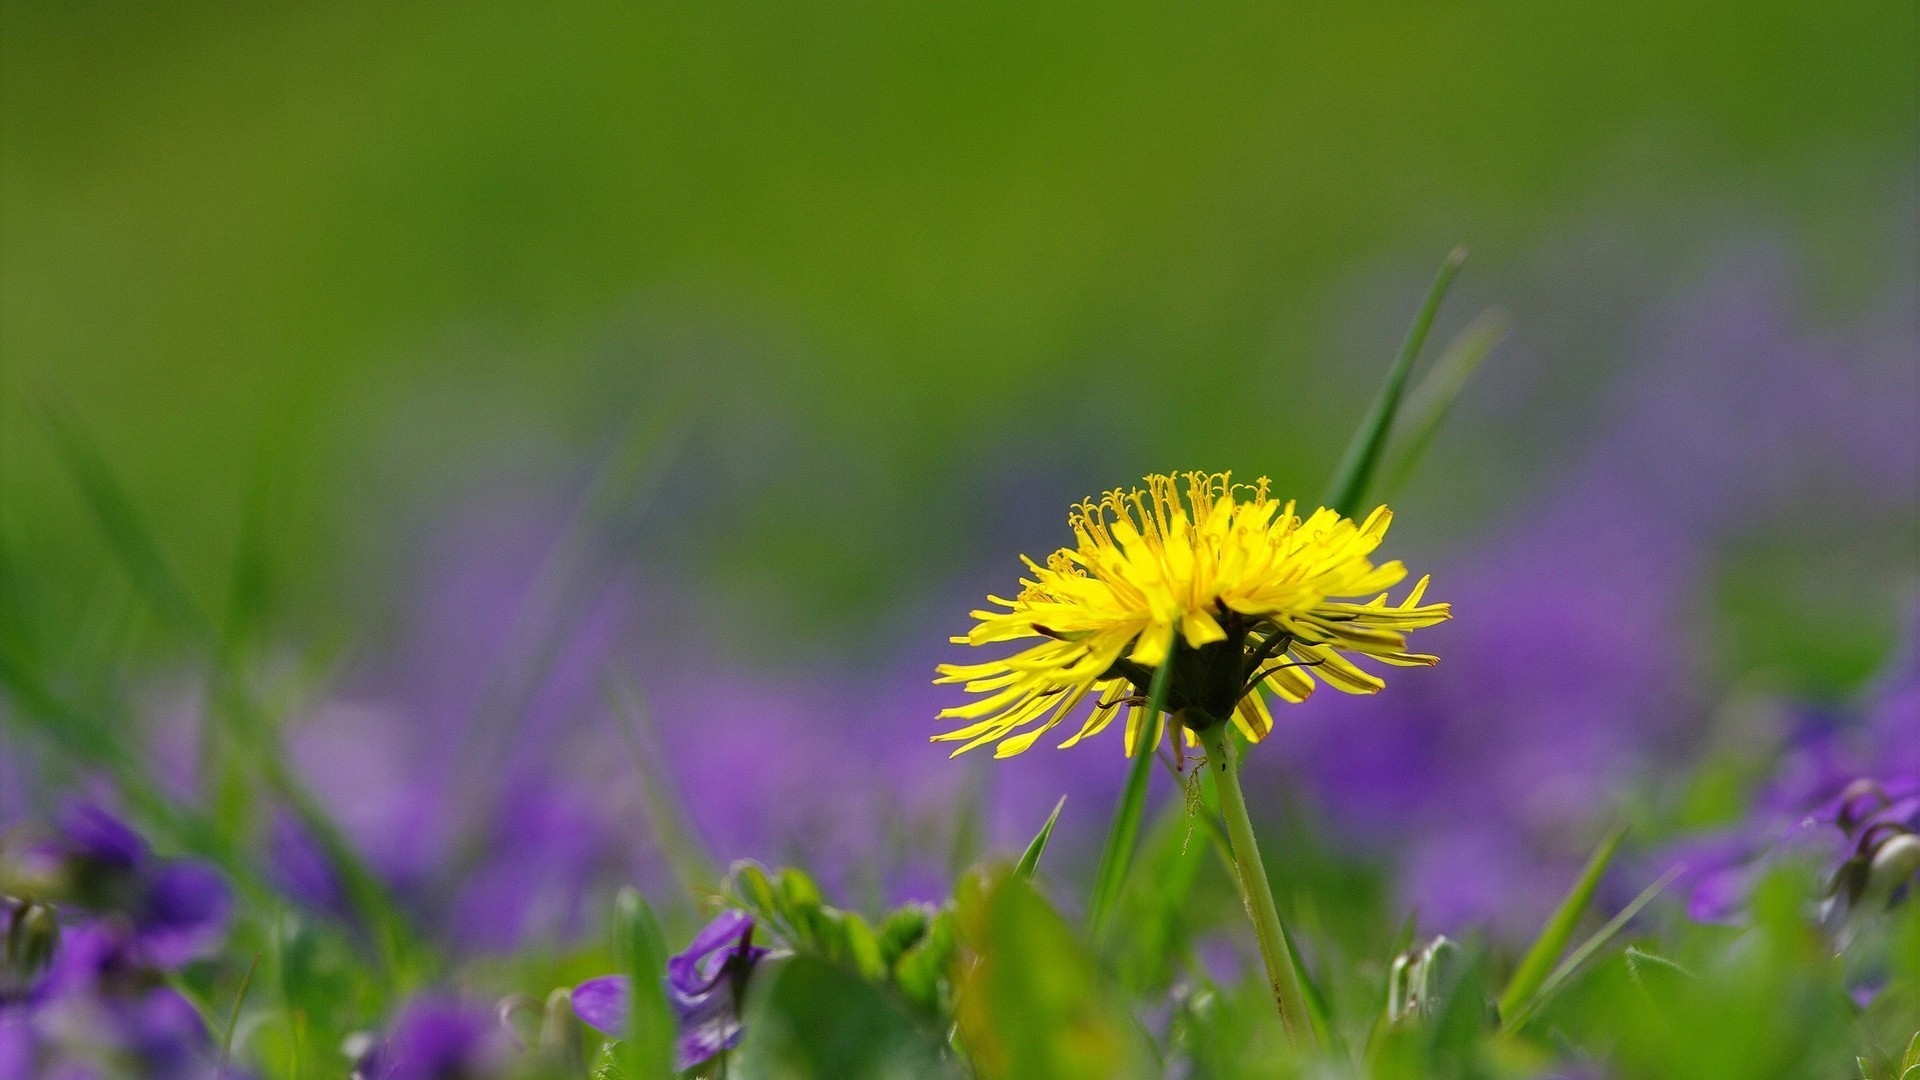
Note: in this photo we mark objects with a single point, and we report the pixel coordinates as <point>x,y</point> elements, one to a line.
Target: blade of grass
<point>1319,1006</point>
<point>233,1019</point>
<point>1030,859</point>
<point>693,866</point>
<point>1429,402</point>
<point>570,575</point>
<point>1118,852</point>
<point>255,741</point>
<point>1587,948</point>
<point>1538,964</point>
<point>646,1052</point>
<point>1351,478</point>
<point>121,525</point>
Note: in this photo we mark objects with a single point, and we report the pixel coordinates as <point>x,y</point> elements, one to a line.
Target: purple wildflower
<point>436,1038</point>
<point>100,1000</point>
<point>1845,793</point>
<point>705,984</point>
<point>174,910</point>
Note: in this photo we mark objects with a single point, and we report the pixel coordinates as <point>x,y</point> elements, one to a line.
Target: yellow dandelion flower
<point>1265,602</point>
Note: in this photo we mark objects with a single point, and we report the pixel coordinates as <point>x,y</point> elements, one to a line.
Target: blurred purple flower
<point>705,985</point>
<point>299,866</point>
<point>437,1038</point>
<point>174,910</point>
<point>102,1000</point>
<point>1845,792</point>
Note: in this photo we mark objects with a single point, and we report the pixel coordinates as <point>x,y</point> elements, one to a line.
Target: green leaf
<point>1034,1003</point>
<point>798,892</point>
<point>903,928</point>
<point>1125,829</point>
<point>920,972</point>
<point>1463,1015</point>
<point>1030,859</point>
<point>1351,478</point>
<point>647,1051</point>
<point>1428,404</point>
<point>815,1019</point>
<point>1539,961</point>
<point>857,945</point>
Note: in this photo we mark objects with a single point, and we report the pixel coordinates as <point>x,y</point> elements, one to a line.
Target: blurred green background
<point>338,252</point>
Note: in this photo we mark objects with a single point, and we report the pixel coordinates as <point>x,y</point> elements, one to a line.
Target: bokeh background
<point>474,358</point>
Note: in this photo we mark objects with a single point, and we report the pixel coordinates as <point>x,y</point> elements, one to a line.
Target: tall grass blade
<point>1587,948</point>
<point>1125,829</point>
<point>1319,1006</point>
<point>1352,477</point>
<point>646,1053</point>
<point>693,866</point>
<point>127,534</point>
<point>233,1019</point>
<point>1428,404</point>
<point>1538,964</point>
<point>570,576</point>
<point>121,525</point>
<point>1030,859</point>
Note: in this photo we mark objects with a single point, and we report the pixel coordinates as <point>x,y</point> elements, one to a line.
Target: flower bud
<point>1418,978</point>
<point>32,935</point>
<point>560,1032</point>
<point>1895,862</point>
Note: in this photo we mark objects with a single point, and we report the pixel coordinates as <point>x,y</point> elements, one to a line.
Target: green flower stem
<point>1255,892</point>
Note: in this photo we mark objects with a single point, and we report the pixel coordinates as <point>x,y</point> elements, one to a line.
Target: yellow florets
<point>1253,591</point>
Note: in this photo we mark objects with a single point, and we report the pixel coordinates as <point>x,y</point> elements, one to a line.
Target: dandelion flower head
<point>1253,600</point>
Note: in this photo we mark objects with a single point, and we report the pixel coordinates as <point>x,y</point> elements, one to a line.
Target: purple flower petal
<point>697,1044</point>
<point>89,831</point>
<point>436,1038</point>
<point>685,971</point>
<point>184,913</point>
<point>604,1003</point>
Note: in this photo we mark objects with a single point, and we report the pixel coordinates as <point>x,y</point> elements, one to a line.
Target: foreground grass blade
<point>1354,474</point>
<point>1429,402</point>
<point>1125,829</point>
<point>1538,964</point>
<point>647,1051</point>
<point>1030,860</point>
<point>1587,948</point>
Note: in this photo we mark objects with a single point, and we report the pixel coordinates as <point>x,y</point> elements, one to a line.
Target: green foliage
<point>1032,1001</point>
<point>1030,859</point>
<point>910,952</point>
<point>817,1020</point>
<point>647,1051</point>
<point>1117,854</point>
<point>1354,475</point>
<point>1538,963</point>
<point>1764,1001</point>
